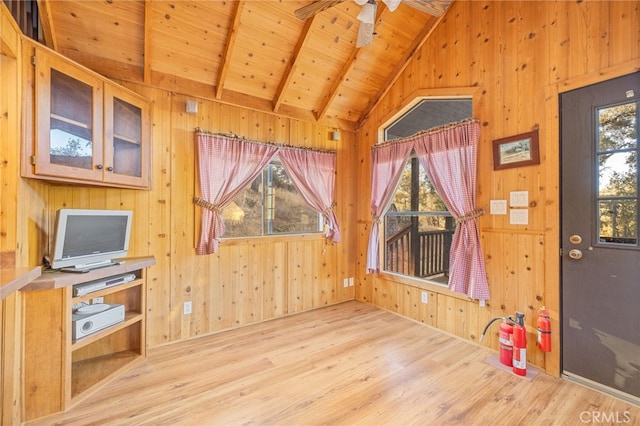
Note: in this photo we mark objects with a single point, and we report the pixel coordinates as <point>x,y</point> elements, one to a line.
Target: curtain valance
<point>227,164</point>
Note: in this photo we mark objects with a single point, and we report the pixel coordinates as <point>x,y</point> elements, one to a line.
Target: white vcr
<point>91,318</point>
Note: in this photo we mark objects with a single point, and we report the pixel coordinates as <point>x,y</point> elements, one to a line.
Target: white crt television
<point>89,239</point>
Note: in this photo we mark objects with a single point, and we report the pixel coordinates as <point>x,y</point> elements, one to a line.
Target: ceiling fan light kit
<point>391,4</point>
<point>367,14</point>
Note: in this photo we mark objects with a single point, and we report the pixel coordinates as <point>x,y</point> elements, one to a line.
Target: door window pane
<point>617,165</point>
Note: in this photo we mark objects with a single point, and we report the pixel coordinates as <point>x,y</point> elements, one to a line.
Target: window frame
<point>263,211</point>
<point>471,93</point>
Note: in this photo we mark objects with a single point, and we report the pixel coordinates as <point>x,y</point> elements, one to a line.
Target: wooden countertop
<point>51,280</point>
<point>14,279</point>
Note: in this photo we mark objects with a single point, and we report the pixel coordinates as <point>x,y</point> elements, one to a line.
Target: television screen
<point>86,238</point>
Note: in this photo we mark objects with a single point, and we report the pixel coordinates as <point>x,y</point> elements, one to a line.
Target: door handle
<point>575,254</point>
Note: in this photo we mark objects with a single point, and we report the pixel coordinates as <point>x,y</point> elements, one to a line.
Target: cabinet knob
<point>110,169</point>
<point>99,166</point>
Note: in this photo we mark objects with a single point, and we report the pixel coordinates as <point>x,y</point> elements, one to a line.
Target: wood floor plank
<point>346,364</point>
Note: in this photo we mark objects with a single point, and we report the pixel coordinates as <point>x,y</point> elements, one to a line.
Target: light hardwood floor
<point>347,364</point>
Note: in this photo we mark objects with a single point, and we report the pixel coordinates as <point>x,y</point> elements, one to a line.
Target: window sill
<point>423,284</point>
<point>241,241</point>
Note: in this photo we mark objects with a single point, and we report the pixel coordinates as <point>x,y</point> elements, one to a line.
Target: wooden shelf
<point>59,371</point>
<point>51,280</point>
<point>86,374</point>
<point>69,121</point>
<point>130,318</point>
<point>14,279</point>
<point>126,139</point>
<point>102,293</point>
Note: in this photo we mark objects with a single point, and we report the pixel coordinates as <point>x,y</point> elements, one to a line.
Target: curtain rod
<point>233,136</point>
<point>426,132</point>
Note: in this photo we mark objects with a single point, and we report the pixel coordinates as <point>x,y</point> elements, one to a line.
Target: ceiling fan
<point>367,15</point>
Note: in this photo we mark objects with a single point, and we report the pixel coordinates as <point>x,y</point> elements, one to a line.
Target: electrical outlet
<point>186,308</point>
<point>425,297</point>
<point>97,300</point>
<point>345,282</point>
<point>351,282</point>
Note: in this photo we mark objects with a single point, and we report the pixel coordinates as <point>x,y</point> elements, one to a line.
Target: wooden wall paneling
<point>578,27</point>
<point>621,21</point>
<point>43,379</point>
<point>224,288</point>
<point>309,279</point>
<point>182,215</point>
<point>493,264</point>
<point>332,285</point>
<point>6,389</point>
<point>274,295</point>
<point>412,306</point>
<point>445,316</point>
<point>295,277</point>
<point>10,115</point>
<point>158,213</point>
<point>531,267</point>
<point>239,263</point>
<point>346,192</point>
<point>551,273</point>
<point>10,362</point>
<point>211,291</point>
<point>324,276</point>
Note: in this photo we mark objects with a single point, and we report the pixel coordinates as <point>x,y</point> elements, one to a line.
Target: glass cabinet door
<point>69,117</point>
<point>126,137</point>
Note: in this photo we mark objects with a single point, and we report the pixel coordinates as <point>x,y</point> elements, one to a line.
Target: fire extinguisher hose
<point>486,327</point>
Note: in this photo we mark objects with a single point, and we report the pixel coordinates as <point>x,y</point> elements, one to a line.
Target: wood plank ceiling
<point>248,52</point>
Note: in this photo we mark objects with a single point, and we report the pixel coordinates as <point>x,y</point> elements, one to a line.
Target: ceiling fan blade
<point>432,7</point>
<point>365,34</point>
<point>316,7</point>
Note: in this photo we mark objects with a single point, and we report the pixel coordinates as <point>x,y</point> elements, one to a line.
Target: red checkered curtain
<point>387,164</point>
<point>448,155</point>
<point>313,174</point>
<point>226,166</point>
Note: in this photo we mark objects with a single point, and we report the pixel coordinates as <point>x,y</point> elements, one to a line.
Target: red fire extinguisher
<point>505,339</point>
<point>506,342</point>
<point>544,330</point>
<point>519,346</point>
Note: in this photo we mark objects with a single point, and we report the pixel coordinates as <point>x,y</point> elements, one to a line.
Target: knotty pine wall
<point>517,55</point>
<point>248,280</point>
<point>10,307</point>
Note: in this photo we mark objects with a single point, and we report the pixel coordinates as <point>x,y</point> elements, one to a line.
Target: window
<point>270,206</point>
<point>418,229</point>
<point>618,182</point>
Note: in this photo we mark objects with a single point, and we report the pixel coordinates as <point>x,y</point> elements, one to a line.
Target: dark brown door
<point>600,244</point>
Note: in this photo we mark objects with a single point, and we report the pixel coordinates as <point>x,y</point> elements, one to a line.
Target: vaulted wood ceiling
<point>248,52</point>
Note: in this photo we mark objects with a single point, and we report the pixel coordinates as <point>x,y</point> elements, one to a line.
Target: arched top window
<point>418,228</point>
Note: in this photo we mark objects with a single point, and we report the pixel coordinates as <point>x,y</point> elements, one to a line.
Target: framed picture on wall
<point>516,151</point>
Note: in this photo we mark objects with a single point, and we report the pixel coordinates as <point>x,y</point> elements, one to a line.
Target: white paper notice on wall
<point>498,207</point>
<point>519,217</point>
<point>519,199</point>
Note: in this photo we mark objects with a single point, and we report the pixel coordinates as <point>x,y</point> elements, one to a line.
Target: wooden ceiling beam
<point>228,48</point>
<point>349,64</point>
<point>293,63</point>
<point>402,65</point>
<point>46,20</point>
